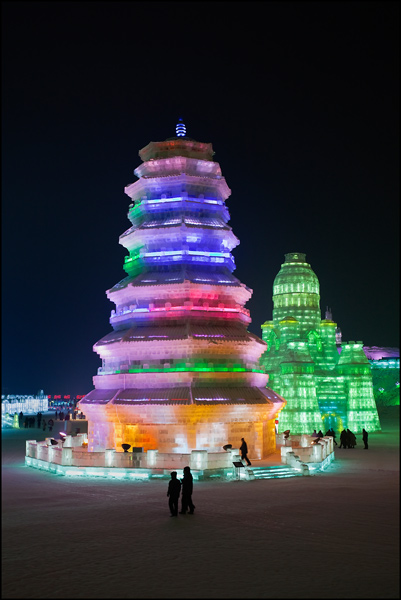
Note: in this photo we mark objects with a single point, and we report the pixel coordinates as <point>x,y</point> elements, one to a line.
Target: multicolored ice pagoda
<point>325,382</point>
<point>180,371</point>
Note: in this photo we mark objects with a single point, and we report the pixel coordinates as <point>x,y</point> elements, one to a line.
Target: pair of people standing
<point>173,493</point>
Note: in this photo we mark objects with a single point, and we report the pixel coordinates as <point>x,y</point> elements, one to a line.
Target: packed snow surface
<point>331,535</point>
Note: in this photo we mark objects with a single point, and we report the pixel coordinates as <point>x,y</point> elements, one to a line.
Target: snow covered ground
<point>332,535</point>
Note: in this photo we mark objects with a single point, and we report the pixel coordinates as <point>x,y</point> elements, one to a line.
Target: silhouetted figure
<point>314,434</point>
<point>244,452</point>
<point>186,495</point>
<point>31,421</point>
<point>320,433</point>
<point>44,425</point>
<point>61,416</point>
<point>50,424</point>
<point>173,493</point>
<point>56,415</point>
<point>333,435</point>
<point>20,419</point>
<point>351,439</point>
<point>365,438</point>
<point>343,439</point>
<point>39,418</point>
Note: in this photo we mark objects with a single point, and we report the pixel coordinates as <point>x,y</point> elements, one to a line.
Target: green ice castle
<point>325,382</point>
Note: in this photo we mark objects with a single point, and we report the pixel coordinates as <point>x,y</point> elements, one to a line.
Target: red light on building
<point>66,397</point>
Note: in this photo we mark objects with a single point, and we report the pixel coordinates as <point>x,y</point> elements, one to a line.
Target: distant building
<point>27,404</point>
<point>326,382</point>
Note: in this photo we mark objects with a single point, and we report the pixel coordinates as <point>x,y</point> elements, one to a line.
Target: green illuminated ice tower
<point>322,388</point>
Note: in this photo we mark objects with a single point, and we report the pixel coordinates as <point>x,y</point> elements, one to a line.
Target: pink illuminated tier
<point>180,371</point>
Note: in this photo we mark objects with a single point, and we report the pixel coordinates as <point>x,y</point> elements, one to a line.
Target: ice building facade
<point>326,383</point>
<point>180,371</point>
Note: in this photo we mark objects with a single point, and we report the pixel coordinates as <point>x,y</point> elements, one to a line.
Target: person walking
<point>343,439</point>
<point>39,418</point>
<point>186,494</point>
<point>50,424</point>
<point>333,435</point>
<point>44,424</point>
<point>365,438</point>
<point>20,419</point>
<point>244,452</point>
<point>173,493</point>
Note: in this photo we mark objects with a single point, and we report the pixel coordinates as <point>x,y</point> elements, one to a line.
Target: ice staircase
<point>274,472</point>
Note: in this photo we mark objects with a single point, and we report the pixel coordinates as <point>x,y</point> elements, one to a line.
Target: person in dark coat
<point>365,438</point>
<point>20,419</point>
<point>343,439</point>
<point>314,434</point>
<point>320,433</point>
<point>39,418</point>
<point>44,424</point>
<point>351,439</point>
<point>50,424</point>
<point>186,495</point>
<point>333,435</point>
<point>173,493</point>
<point>244,452</point>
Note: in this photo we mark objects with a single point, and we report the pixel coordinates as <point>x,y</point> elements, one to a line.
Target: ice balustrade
<point>74,454</point>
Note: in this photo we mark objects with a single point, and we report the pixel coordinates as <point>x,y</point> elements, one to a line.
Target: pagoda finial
<point>180,129</point>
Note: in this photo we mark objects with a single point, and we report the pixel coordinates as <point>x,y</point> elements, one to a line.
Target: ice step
<point>274,472</point>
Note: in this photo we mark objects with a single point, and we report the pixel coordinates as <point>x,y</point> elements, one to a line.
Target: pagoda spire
<point>180,129</point>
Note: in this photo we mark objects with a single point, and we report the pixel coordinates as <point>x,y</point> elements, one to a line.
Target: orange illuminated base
<point>183,428</point>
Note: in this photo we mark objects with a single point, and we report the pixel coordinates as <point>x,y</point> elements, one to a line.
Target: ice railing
<point>73,451</point>
<point>297,449</point>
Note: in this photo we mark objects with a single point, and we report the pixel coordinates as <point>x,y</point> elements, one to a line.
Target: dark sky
<point>301,103</point>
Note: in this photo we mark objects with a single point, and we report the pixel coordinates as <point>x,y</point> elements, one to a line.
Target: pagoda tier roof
<point>172,164</point>
<point>177,146</point>
<point>185,395</point>
<point>164,333</point>
<point>148,183</point>
<point>213,225</point>
<point>176,275</point>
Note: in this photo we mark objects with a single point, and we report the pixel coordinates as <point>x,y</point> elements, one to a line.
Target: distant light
<point>180,129</point>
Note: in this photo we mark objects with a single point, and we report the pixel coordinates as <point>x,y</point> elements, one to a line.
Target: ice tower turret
<point>296,293</point>
<point>180,370</point>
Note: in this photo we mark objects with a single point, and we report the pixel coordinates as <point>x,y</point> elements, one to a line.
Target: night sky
<point>301,103</point>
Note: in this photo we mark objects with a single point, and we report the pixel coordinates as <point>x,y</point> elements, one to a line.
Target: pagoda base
<point>175,428</point>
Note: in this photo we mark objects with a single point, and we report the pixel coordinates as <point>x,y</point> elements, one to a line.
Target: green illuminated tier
<point>296,293</point>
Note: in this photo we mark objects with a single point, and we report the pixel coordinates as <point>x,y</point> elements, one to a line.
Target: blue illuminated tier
<point>180,355</point>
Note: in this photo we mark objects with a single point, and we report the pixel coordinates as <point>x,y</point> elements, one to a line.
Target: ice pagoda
<point>180,371</point>
<point>326,383</point>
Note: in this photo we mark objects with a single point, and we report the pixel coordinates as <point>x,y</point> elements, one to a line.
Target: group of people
<point>34,421</point>
<point>175,487</point>
<point>347,437</point>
